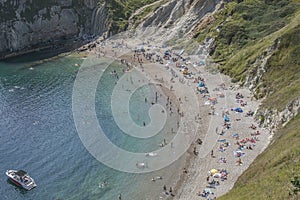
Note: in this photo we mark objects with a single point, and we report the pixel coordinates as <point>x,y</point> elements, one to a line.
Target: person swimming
<point>103,184</point>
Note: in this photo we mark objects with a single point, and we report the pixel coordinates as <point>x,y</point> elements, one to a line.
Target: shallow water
<point>38,134</point>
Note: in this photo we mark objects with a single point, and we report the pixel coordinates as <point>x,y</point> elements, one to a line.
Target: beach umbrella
<point>214,171</point>
<point>217,175</point>
<point>226,118</point>
<point>201,84</point>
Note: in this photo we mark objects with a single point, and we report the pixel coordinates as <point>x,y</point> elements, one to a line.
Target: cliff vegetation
<point>257,44</point>
<point>275,173</point>
<point>247,31</point>
<point>120,12</point>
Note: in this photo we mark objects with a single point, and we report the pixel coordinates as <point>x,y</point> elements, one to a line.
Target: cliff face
<point>28,24</point>
<point>180,17</point>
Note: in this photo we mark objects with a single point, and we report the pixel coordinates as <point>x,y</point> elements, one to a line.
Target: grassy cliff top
<point>245,30</point>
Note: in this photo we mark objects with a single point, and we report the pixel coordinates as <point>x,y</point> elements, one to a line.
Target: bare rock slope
<point>179,18</point>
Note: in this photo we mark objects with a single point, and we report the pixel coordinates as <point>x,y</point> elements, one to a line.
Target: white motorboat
<point>21,179</point>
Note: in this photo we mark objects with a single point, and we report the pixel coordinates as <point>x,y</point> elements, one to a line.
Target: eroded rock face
<point>26,24</point>
<point>29,23</point>
<point>274,119</point>
<point>254,79</point>
<point>180,16</point>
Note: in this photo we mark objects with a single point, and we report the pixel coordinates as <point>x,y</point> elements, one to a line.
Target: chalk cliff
<point>29,24</point>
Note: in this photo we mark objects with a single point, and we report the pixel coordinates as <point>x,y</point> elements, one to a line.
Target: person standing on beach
<point>239,161</point>
<point>195,151</point>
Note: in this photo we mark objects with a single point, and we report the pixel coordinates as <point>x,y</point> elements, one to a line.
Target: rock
<point>256,74</point>
<point>274,119</point>
<point>53,21</point>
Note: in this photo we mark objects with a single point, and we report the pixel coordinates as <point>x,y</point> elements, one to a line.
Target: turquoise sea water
<point>38,134</point>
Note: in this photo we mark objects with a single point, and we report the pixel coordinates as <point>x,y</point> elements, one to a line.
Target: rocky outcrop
<point>269,118</point>
<point>30,24</point>
<point>274,119</point>
<point>254,78</point>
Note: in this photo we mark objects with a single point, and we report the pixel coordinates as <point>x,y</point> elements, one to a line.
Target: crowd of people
<point>241,142</point>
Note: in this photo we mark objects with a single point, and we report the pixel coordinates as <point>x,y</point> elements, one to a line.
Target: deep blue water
<point>38,134</point>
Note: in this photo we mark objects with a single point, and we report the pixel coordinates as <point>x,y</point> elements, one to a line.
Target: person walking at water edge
<point>165,188</point>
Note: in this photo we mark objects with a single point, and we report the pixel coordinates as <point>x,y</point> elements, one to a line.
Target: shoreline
<point>189,156</point>
<point>58,47</point>
<point>190,185</point>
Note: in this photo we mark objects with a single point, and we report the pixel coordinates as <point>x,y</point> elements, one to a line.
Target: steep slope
<point>29,25</point>
<point>174,19</point>
<point>253,41</point>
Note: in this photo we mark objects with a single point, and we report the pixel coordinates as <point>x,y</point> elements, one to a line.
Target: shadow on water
<point>35,56</point>
<point>53,51</point>
<point>17,188</point>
